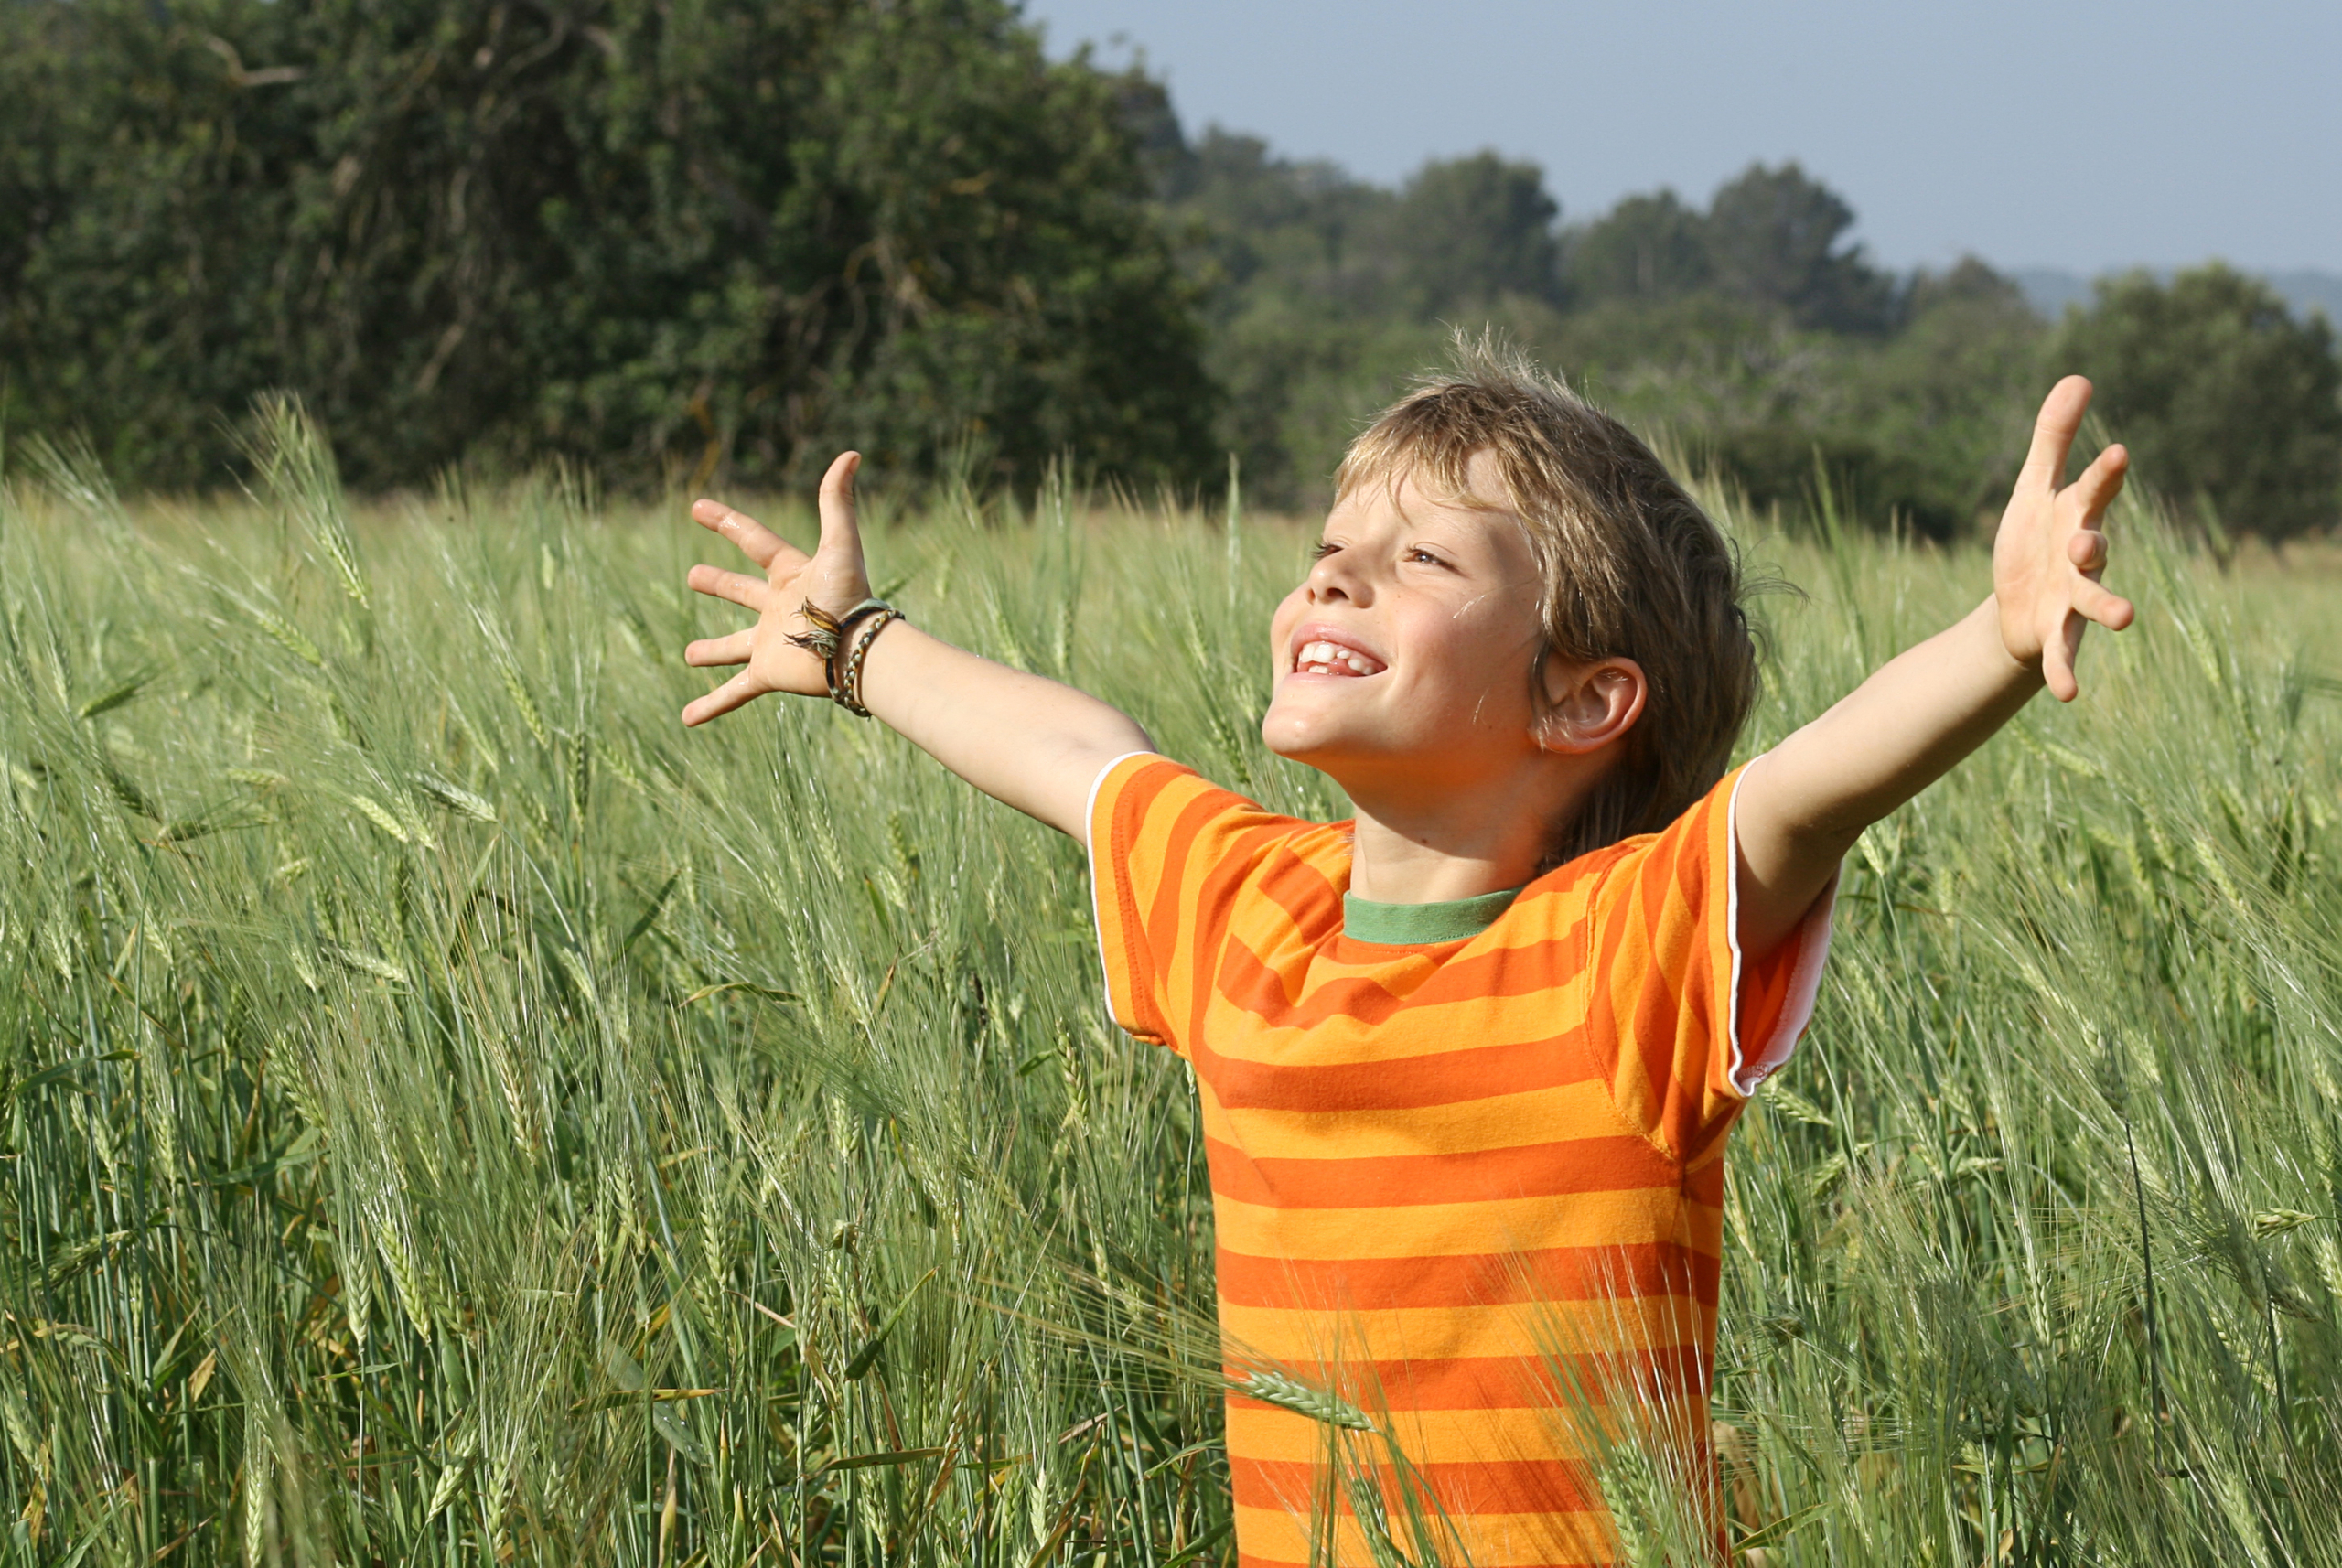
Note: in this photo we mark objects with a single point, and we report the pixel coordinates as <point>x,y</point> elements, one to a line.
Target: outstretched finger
<point>738,588</point>
<point>2053,433</point>
<point>2099,484</point>
<point>741,689</point>
<point>2057,660</point>
<point>839,528</point>
<point>733,650</point>
<point>2110,610</point>
<point>759,544</point>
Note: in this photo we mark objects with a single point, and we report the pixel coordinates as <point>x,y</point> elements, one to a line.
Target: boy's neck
<point>1427,847</point>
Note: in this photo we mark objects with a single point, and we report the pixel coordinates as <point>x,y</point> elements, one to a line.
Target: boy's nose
<point>1329,580</point>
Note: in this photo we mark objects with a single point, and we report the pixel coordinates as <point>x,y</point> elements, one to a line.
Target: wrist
<point>2016,664</point>
<point>859,628</point>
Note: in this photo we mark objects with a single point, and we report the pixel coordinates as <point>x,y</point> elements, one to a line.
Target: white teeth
<point>1324,658</point>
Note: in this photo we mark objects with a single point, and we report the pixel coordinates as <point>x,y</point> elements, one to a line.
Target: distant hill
<point>2049,290</point>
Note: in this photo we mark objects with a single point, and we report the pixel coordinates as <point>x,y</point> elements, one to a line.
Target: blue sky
<point>2051,134</point>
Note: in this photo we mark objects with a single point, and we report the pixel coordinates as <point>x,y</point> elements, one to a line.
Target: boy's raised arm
<point>1803,804</point>
<point>1030,742</point>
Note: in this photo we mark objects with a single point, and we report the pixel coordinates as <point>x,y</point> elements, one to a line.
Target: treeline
<point>1750,329</point>
<point>641,235</point>
<point>662,239</point>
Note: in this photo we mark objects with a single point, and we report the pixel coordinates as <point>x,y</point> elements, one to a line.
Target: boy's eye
<point>1322,549</point>
<point>1424,556</point>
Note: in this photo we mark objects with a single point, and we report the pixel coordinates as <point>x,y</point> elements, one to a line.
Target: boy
<point>1468,1061</point>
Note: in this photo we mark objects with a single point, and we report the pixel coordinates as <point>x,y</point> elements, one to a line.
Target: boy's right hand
<point>833,578</point>
<point>1020,739</point>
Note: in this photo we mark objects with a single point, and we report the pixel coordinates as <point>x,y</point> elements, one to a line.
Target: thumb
<point>840,536</point>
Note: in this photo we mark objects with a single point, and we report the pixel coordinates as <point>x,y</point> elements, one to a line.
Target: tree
<point>1645,248</point>
<point>1469,230</point>
<point>638,233</point>
<point>1292,229</point>
<point>1950,395</point>
<point>2228,402</point>
<point>137,164</point>
<point>1325,291</point>
<point>1921,426</point>
<point>1773,235</point>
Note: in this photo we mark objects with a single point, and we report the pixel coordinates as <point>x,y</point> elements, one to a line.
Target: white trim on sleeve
<point>1812,940</point>
<point>1096,882</point>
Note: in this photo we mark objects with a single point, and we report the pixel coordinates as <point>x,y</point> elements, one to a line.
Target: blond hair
<point>1632,567</point>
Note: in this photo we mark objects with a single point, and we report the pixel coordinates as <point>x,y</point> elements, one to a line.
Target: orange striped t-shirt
<point>1473,1189</point>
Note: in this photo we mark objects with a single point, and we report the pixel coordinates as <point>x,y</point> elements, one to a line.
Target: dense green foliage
<point>448,1111</point>
<point>657,241</point>
<point>2236,406</point>
<point>640,236</point>
<point>1751,329</point>
<point>1772,237</point>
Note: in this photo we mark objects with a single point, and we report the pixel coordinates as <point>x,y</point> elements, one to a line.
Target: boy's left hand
<point>2050,550</point>
<point>1803,804</point>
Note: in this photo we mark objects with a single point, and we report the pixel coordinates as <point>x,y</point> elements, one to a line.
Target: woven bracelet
<point>830,635</point>
<point>847,691</point>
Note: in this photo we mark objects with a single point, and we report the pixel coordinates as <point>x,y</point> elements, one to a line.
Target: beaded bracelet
<point>848,692</point>
<point>829,633</point>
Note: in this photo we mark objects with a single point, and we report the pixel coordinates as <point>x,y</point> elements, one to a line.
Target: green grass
<point>448,1114</point>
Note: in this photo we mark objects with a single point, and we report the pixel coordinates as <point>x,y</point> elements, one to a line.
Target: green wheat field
<point>450,1114</point>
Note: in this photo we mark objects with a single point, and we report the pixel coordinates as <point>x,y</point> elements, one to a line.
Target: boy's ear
<point>1587,706</point>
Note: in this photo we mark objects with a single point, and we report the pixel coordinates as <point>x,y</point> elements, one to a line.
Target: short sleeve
<point>1170,855</point>
<point>1690,1026</point>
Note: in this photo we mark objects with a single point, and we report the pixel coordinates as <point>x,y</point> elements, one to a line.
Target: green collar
<point>1414,925</point>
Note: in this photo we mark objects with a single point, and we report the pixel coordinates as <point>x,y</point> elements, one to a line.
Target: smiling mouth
<point>1323,658</point>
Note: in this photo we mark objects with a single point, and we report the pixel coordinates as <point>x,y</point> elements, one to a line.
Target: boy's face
<point>1405,657</point>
